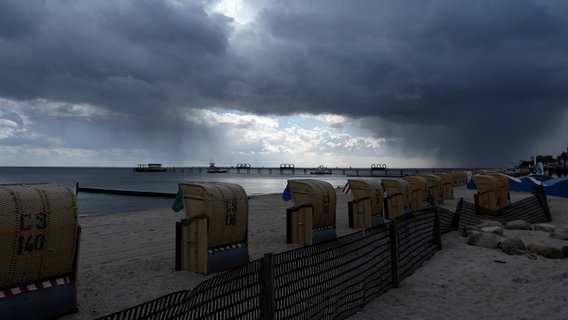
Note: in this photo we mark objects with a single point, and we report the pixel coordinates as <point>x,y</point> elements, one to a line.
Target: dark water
<point>127,179</point>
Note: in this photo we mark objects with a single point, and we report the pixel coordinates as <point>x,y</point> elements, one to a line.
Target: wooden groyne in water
<point>125,192</point>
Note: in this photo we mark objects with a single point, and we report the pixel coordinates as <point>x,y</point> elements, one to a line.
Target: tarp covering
<point>557,187</point>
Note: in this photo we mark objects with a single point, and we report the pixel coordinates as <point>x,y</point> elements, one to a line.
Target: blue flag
<point>287,195</point>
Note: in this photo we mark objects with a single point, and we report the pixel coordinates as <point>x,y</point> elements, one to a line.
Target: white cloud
<point>61,109</point>
<point>329,119</point>
<point>304,139</point>
<point>7,128</point>
<point>242,11</point>
<point>8,123</point>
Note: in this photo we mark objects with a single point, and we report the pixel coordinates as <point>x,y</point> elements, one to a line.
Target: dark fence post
<point>350,213</point>
<point>394,255</point>
<point>269,303</point>
<point>179,240</point>
<point>540,194</point>
<point>457,214</point>
<point>437,233</point>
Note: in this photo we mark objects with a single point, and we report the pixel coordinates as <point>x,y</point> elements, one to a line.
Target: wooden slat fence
<point>334,279</point>
<point>532,209</point>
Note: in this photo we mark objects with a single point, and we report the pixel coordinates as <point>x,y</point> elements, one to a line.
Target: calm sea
<point>127,179</point>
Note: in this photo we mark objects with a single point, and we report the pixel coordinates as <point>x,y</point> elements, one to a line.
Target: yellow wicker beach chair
<point>397,196</point>
<point>312,219</point>
<point>366,209</point>
<point>39,244</point>
<point>418,191</point>
<point>434,187</point>
<point>214,231</point>
<point>447,185</point>
<point>486,196</point>
<point>503,197</point>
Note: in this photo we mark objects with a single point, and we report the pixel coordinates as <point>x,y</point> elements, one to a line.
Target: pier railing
<point>290,169</point>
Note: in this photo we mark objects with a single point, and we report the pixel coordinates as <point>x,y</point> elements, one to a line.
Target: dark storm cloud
<point>117,54</point>
<point>427,58</point>
<point>467,78</point>
<point>19,18</point>
<point>464,78</point>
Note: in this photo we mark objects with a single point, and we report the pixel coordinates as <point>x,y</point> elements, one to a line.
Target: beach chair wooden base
<point>192,253</point>
<point>361,219</point>
<point>360,214</point>
<point>487,200</point>
<point>395,206</point>
<point>447,191</point>
<point>299,225</point>
<point>193,249</point>
<point>434,196</point>
<point>417,200</point>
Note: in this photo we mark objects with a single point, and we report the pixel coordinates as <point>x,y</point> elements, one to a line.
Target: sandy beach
<point>129,258</point>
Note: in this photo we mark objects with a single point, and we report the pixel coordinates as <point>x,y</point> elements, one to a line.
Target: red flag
<point>346,188</point>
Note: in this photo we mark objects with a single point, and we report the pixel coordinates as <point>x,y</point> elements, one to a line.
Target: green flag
<point>177,206</point>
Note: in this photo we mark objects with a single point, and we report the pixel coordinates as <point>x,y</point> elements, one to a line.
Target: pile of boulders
<point>489,234</point>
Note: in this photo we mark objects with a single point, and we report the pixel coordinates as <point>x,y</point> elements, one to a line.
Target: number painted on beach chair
<point>230,219</point>
<point>325,200</point>
<point>31,243</point>
<point>29,222</point>
<point>231,205</point>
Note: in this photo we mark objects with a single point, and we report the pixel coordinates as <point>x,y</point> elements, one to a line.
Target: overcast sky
<point>420,83</point>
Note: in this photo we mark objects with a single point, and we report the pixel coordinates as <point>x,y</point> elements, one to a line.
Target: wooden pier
<point>357,172</point>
